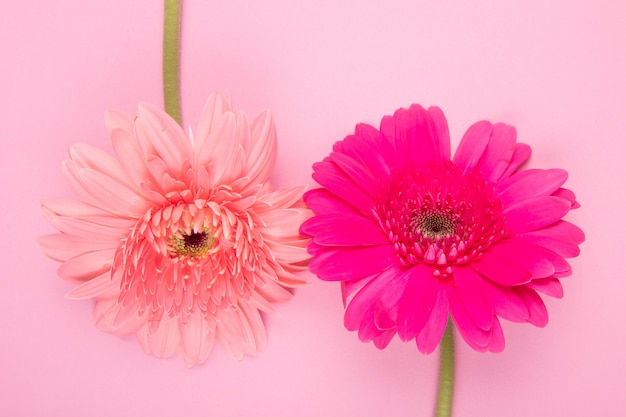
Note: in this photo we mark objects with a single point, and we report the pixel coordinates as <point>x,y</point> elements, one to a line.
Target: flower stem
<point>171,59</point>
<point>446,373</point>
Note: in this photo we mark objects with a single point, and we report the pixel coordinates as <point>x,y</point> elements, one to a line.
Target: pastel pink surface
<point>553,69</point>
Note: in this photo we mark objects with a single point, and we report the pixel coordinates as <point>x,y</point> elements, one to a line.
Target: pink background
<point>555,69</point>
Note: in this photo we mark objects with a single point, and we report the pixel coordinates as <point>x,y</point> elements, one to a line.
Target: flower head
<point>181,241</point>
<point>416,236</point>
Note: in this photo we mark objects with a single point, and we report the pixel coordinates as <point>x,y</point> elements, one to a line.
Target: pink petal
<point>343,264</point>
<point>197,340</point>
<point>528,184</point>
<point>95,287</point>
<point>535,213</point>
<point>382,340</point>
<point>474,297</point>
<point>440,126</point>
<point>215,106</point>
<point>417,301</point>
<point>561,237</point>
<point>156,128</point>
<point>472,146</point>
<point>62,247</point>
<point>262,154</point>
<point>130,155</point>
<point>115,119</point>
<point>163,341</point>
<point>87,266</point>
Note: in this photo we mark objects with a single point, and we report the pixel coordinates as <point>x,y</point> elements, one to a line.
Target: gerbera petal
<point>472,146</point>
<point>501,269</point>
<point>561,237</point>
<point>342,264</point>
<point>216,105</point>
<point>506,303</point>
<point>338,230</point>
<point>528,184</point>
<point>102,284</point>
<point>473,335</point>
<point>164,340</point>
<point>414,134</point>
<point>537,312</point>
<point>116,119</point>
<point>367,296</point>
<point>496,344</point>
<point>321,201</point>
<point>262,154</point>
<point>359,173</point>
<point>87,265</point>
<point>498,153</point>
<point>473,296</point>
<point>430,336</point>
<point>326,173</point>
<point>520,155</point>
<point>166,137</point>
<point>535,213</point>
<point>548,286</point>
<point>417,301</point>
<point>197,340</point>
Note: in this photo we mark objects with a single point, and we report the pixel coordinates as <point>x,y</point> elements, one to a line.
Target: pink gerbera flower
<point>180,241</point>
<point>415,236</point>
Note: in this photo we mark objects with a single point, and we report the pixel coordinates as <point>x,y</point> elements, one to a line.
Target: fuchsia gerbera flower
<point>180,241</point>
<point>415,236</point>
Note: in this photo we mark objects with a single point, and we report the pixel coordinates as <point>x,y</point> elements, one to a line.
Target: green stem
<point>171,59</point>
<point>446,373</point>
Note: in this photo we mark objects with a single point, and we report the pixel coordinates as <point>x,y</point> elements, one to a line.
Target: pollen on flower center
<point>440,217</point>
<point>433,223</point>
<point>193,245</point>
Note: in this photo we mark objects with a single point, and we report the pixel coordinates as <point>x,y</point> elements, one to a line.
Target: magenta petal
<point>473,296</point>
<point>476,337</point>
<point>506,302</point>
<point>498,153</point>
<point>472,146</point>
<point>338,230</point>
<point>499,266</point>
<point>321,201</point>
<point>440,126</point>
<point>417,301</point>
<point>535,213</point>
<point>343,264</point>
<point>538,314</point>
<point>357,172</point>
<point>327,173</point>
<point>382,340</point>
<point>567,195</point>
<point>548,286</point>
<point>431,334</point>
<point>366,298</point>
<point>529,183</point>
<point>497,338</point>
<point>520,155</point>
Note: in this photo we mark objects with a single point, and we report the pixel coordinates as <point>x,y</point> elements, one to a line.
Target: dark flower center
<point>193,245</point>
<point>434,223</point>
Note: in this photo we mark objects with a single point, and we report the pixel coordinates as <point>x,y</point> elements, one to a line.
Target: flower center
<point>439,216</point>
<point>434,223</point>
<point>193,245</point>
